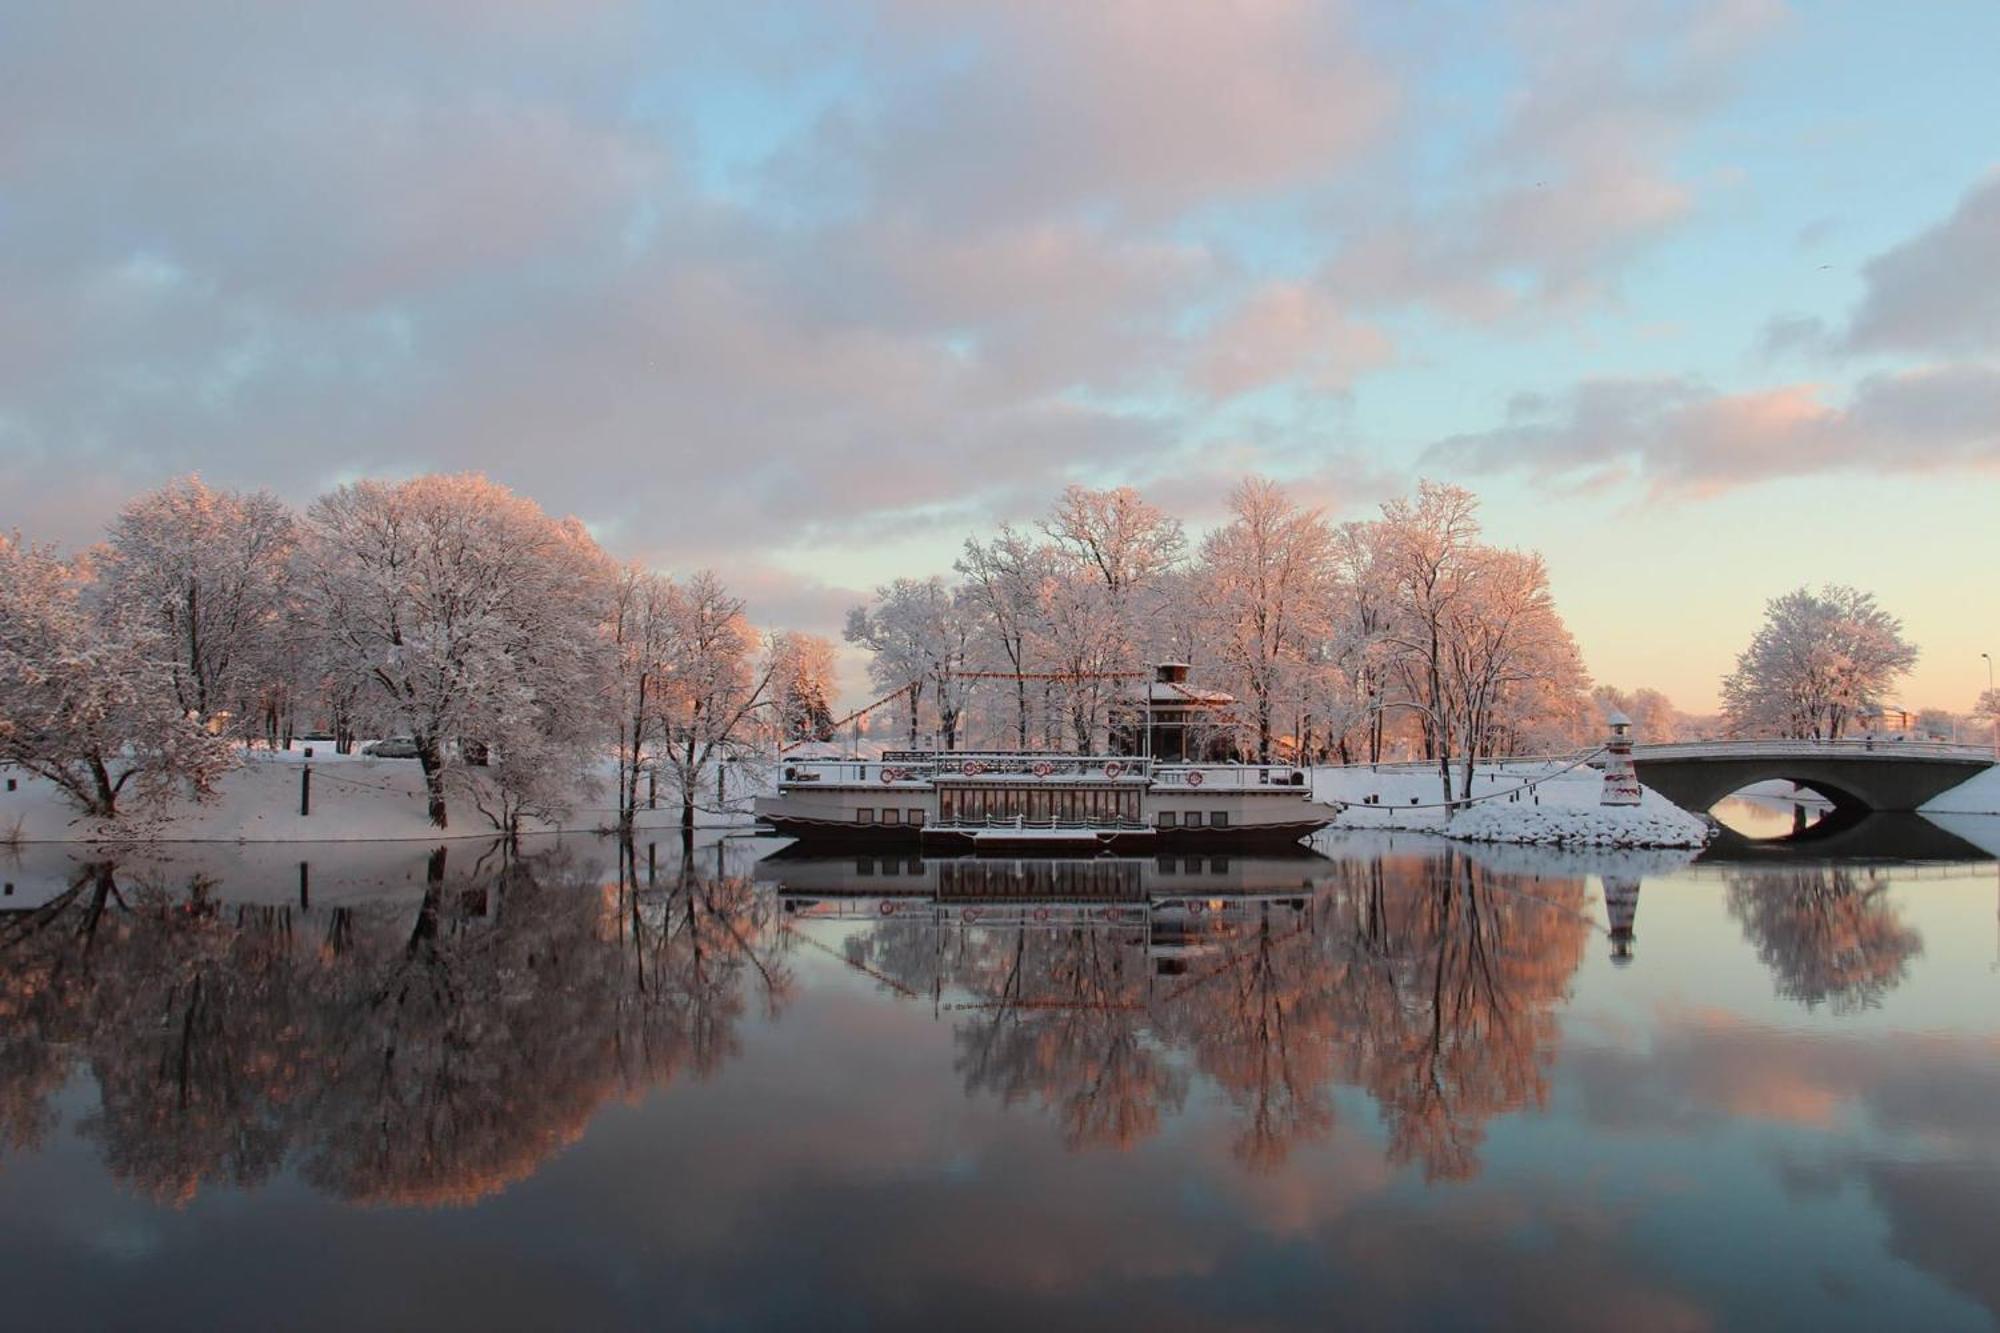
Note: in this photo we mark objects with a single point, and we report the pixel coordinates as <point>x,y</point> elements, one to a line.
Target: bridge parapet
<point>1845,748</point>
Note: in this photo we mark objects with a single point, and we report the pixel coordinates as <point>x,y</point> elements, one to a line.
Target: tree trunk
<point>430,757</point>
<point>106,804</point>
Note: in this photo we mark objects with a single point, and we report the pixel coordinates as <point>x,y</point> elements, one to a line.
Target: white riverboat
<point>1019,802</point>
<point>1169,782</point>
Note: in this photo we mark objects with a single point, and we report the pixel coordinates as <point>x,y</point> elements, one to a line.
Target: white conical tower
<point>1621,781</point>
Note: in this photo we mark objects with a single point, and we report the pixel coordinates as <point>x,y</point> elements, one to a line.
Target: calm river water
<point>1398,1084</point>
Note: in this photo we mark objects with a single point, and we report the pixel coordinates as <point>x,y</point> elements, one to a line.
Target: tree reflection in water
<point>400,1059</point>
<point>1063,1025</point>
<point>1829,934</point>
<point>1426,980</point>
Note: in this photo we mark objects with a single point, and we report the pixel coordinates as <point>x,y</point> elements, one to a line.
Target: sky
<point>1701,296</point>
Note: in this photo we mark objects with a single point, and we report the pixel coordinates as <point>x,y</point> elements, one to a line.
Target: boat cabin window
<point>1193,819</point>
<point>914,817</point>
<point>864,815</point>
<point>888,814</point>
<point>1219,819</point>
<point>1037,805</point>
<point>1168,819</point>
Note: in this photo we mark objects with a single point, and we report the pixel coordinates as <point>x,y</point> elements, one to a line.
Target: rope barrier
<point>1457,803</point>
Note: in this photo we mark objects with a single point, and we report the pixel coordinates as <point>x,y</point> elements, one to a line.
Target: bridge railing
<point>1844,748</point>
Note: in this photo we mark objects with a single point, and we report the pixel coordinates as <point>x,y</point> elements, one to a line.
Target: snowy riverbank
<point>354,799</point>
<point>1545,804</point>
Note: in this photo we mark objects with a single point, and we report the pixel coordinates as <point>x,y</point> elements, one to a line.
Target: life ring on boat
<point>1043,768</point>
<point>1194,778</point>
<point>1041,914</point>
<point>1113,769</point>
<point>886,908</point>
<point>969,914</point>
<point>972,768</point>
<point>890,775</point>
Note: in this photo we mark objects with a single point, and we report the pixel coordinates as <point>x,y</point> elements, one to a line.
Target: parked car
<point>395,747</point>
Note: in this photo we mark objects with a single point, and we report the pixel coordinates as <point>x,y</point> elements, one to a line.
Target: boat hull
<point>834,834</point>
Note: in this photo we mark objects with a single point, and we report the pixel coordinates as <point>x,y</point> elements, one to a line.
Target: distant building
<point>1887,721</point>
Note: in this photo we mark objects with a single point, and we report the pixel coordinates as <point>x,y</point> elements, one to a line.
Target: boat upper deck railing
<point>898,767</point>
<point>910,766</point>
<point>1228,776</point>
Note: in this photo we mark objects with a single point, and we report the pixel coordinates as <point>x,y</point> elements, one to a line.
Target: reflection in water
<point>1426,980</point>
<point>1036,1091</point>
<point>1621,910</point>
<point>1761,816</point>
<point>398,1055</point>
<point>432,1052</point>
<point>1829,933</point>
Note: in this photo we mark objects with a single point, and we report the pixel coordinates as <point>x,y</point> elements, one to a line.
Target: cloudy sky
<point>1703,296</point>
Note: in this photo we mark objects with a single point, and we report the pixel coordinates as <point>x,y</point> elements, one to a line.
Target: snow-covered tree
<point>922,633</point>
<point>1121,538</point>
<point>1818,662</point>
<point>204,571</point>
<point>1509,661</point>
<point>473,616</point>
<point>803,685</point>
<point>1429,550</point>
<point>1084,643</point>
<point>86,695</point>
<point>1006,577</point>
<point>1654,717</point>
<point>712,686</point>
<point>1364,613</point>
<point>1266,581</point>
<point>1988,709</point>
<point>641,631</point>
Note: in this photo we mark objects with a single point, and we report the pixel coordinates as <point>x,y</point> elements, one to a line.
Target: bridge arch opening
<point>1779,808</point>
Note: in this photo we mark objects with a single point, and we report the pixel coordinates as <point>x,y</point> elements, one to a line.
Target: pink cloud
<point>1288,332</point>
<point>1146,105</point>
<point>1680,438</point>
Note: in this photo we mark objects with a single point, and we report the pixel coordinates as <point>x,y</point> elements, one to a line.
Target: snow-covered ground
<point>354,799</point>
<point>1541,803</point>
<point>1978,795</point>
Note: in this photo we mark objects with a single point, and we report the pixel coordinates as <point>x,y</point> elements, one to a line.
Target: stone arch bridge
<point>1856,775</point>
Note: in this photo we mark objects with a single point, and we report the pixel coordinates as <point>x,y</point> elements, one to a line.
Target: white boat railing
<point>1228,777</point>
<point>925,767</point>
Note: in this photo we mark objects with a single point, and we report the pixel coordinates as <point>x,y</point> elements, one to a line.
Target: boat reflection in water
<point>1092,988</point>
<point>1174,902</point>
